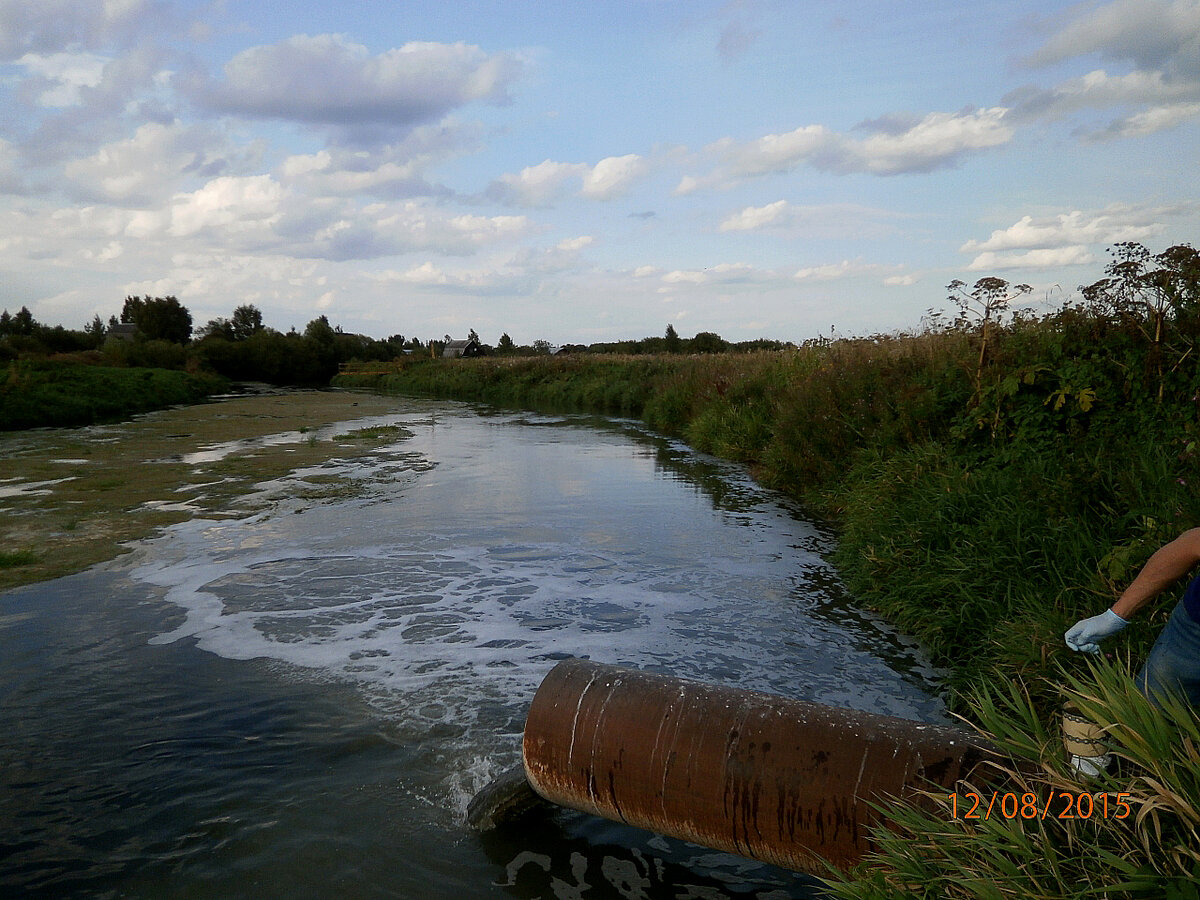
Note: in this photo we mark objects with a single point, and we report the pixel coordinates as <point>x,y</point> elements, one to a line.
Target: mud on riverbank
<point>73,497</point>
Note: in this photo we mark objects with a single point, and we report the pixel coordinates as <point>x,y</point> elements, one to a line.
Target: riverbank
<point>984,501</point>
<point>983,519</point>
<point>48,393</point>
<point>73,497</point>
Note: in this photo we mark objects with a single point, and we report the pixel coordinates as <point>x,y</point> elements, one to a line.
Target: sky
<point>582,172</point>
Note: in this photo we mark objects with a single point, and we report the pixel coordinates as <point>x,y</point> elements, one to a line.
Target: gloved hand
<point>1085,634</point>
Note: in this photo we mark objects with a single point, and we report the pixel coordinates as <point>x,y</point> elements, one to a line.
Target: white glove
<point>1085,634</point>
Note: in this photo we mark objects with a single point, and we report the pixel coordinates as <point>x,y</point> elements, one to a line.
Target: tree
<point>95,331</point>
<point>708,342</point>
<point>216,328</point>
<point>246,321</point>
<point>21,324</point>
<point>321,331</point>
<point>159,318</point>
<point>672,341</point>
<point>505,345</point>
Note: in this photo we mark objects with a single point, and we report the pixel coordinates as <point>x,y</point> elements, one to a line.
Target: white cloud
<point>1159,35</point>
<point>827,272</point>
<point>1048,258</point>
<point>753,218</point>
<point>231,204</point>
<point>546,182</point>
<point>721,273</point>
<point>933,142</point>
<point>326,79</point>
<point>574,245</point>
<point>892,147</point>
<point>149,166</point>
<point>681,276</point>
<point>65,74</point>
<point>1150,121</point>
<point>535,185</point>
<point>1073,228</point>
<point>392,171</point>
<point>612,176</point>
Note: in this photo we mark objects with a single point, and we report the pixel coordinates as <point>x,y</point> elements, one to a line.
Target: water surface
<point>302,700</point>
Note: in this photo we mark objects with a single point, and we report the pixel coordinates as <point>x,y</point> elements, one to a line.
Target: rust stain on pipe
<point>779,780</point>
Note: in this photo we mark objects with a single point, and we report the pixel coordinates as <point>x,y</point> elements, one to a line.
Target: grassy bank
<point>40,393</point>
<point>983,518</point>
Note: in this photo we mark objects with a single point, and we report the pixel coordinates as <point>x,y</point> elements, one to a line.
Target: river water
<point>302,701</point>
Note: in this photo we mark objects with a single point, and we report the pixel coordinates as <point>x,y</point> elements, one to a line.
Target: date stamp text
<point>1057,804</point>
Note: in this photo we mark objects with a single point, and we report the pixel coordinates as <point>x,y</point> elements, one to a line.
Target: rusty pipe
<point>783,781</point>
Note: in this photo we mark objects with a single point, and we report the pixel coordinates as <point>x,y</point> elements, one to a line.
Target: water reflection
<point>332,678</point>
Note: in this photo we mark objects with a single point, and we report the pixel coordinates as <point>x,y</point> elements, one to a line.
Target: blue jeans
<point>1174,660</point>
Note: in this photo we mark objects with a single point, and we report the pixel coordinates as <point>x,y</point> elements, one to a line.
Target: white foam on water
<point>468,561</point>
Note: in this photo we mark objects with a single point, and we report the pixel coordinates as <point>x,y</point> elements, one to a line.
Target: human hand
<point>1085,634</point>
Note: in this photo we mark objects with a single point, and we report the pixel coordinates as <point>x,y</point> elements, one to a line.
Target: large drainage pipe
<point>778,780</point>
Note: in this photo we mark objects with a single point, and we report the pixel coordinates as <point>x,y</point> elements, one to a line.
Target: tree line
<point>158,332</point>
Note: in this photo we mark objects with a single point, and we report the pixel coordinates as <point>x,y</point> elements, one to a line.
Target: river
<point>300,699</point>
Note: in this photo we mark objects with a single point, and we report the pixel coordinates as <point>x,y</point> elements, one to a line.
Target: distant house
<point>122,331</point>
<point>456,349</point>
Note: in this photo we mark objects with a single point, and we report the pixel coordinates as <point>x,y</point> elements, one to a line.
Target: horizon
<point>580,174</point>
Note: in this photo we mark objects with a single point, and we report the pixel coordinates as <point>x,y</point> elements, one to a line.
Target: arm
<point>1168,563</point>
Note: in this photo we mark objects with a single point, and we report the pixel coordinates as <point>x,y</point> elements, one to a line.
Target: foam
<point>468,560</point>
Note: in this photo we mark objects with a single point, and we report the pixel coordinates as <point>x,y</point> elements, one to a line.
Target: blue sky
<point>583,172</point>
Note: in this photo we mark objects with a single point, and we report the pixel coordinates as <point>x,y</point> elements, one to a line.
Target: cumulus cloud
<point>535,185</point>
<point>546,182</point>
<point>722,273</point>
<point>1048,258</point>
<point>834,271</point>
<point>753,218</point>
<point>1074,228</point>
<point>613,176</point>
<point>63,75</point>
<point>1155,119</point>
<point>230,204</point>
<point>148,167</point>
<point>892,146</point>
<point>328,80</point>
<point>829,220</point>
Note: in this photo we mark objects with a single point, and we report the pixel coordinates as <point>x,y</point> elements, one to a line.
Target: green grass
<point>1132,832</point>
<point>10,559</point>
<point>35,394</point>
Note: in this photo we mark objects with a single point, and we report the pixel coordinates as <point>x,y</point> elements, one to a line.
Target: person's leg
<point>1174,661</point>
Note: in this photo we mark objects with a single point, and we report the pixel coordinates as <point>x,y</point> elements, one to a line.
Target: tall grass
<point>35,394</point>
<point>1132,832</point>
